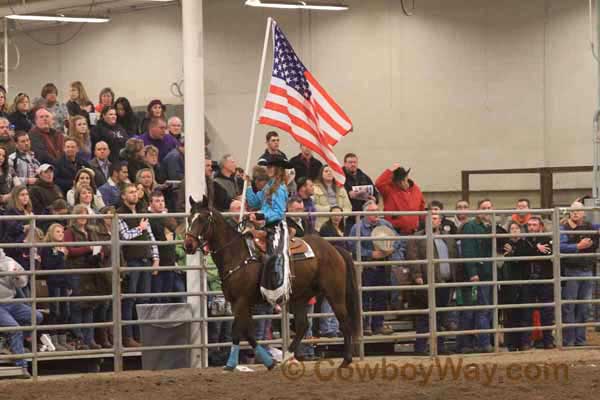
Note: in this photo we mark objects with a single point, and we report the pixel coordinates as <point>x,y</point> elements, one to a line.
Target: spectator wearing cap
<point>60,114</point>
<point>158,137</point>
<point>400,194</point>
<point>126,117</point>
<point>47,143</point>
<point>226,177</point>
<point>44,191</point>
<point>175,127</point>
<point>19,113</point>
<point>23,161</point>
<point>305,165</point>
<point>100,163</point>
<point>155,109</point>
<point>327,194</point>
<point>272,139</point>
<point>306,189</point>
<point>173,165</point>
<point>359,186</point>
<point>6,139</point>
<point>68,165</point>
<point>108,130</point>
<point>106,99</point>
<point>111,190</point>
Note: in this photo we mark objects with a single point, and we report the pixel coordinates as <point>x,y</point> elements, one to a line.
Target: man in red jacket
<point>400,194</point>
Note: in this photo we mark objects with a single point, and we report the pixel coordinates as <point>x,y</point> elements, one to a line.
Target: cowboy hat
<point>383,231</point>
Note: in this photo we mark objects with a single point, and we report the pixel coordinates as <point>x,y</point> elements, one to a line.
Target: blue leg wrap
<point>264,355</point>
<point>234,355</point>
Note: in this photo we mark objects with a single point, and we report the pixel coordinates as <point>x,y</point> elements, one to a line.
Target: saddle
<point>298,248</point>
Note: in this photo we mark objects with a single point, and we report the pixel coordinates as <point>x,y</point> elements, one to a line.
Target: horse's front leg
<point>240,315</point>
<point>259,350</point>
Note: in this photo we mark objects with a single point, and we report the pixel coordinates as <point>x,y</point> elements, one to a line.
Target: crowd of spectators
<point>84,159</point>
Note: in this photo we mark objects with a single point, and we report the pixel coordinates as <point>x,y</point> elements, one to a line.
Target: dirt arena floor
<point>547,375</point>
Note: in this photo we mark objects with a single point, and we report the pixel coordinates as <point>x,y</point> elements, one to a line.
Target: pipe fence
<point>357,243</point>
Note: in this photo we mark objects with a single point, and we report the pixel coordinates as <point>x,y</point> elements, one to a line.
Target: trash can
<point>165,334</point>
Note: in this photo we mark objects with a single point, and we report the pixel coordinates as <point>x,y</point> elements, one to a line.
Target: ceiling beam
<point>47,6</point>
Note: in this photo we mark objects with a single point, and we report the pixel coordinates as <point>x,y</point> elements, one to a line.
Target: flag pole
<point>255,115</point>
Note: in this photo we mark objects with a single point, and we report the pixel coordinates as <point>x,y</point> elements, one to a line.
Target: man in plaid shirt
<point>135,229</point>
<point>23,160</point>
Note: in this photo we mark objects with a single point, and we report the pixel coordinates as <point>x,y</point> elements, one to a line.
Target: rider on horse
<point>272,202</point>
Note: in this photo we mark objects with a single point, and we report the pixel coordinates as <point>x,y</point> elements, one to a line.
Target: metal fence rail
<point>116,297</point>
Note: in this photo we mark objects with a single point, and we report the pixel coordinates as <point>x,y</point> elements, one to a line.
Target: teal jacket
<point>273,210</point>
<point>472,248</point>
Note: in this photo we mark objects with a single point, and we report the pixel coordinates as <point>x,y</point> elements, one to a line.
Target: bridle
<point>209,228</point>
<point>200,237</point>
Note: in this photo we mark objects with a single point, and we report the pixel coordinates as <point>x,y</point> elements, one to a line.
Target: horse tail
<point>351,292</point>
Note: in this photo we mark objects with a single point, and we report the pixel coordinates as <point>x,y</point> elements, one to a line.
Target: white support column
<point>193,75</point>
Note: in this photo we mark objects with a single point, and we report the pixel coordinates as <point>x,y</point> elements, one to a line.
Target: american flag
<point>298,104</point>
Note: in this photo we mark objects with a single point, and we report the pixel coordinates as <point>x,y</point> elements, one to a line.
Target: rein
<point>203,243</point>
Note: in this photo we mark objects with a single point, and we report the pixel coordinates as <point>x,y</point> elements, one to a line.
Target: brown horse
<point>330,272</point>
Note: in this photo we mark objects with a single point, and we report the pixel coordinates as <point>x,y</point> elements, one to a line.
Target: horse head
<point>201,224</point>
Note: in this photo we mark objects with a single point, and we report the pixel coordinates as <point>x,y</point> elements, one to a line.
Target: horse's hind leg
<point>336,300</point>
<point>259,350</point>
<point>300,326</point>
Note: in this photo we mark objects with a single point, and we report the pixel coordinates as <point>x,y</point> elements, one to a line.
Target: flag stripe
<point>324,98</point>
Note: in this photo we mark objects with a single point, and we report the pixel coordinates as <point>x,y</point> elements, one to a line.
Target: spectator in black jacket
<point>305,165</point>
<point>126,117</point>
<point>19,116</point>
<point>173,165</point>
<point>163,229</point>
<point>355,179</point>
<point>109,131</point>
<point>272,148</point>
<point>79,103</point>
<point>100,163</point>
<point>68,165</point>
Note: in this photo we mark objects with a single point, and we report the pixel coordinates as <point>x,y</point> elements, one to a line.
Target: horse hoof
<point>273,365</point>
<point>227,368</point>
<point>345,364</point>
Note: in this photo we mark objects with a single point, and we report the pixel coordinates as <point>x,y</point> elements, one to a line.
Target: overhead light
<point>302,5</point>
<point>51,18</point>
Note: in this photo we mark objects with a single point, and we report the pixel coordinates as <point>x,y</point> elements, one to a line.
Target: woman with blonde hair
<point>80,131</point>
<point>79,103</point>
<point>328,194</point>
<point>145,180</point>
<point>19,113</point>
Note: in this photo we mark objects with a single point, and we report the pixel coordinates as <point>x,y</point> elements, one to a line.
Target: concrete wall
<point>463,84</point>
